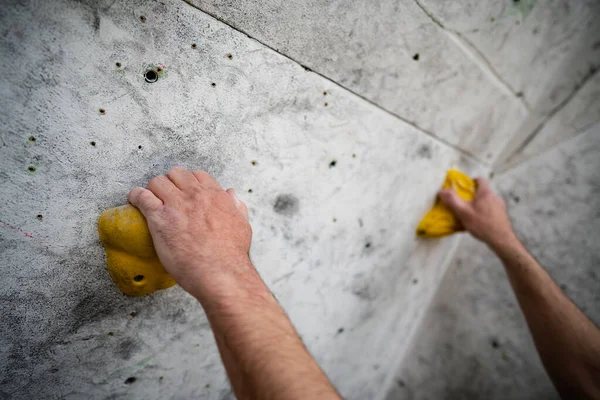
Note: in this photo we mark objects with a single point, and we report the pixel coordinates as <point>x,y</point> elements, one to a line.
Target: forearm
<point>567,341</point>
<point>262,353</point>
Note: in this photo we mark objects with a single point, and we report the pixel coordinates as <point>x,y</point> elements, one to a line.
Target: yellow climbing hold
<point>440,221</point>
<point>130,255</point>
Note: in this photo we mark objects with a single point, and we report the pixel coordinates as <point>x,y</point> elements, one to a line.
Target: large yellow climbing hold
<point>130,255</point>
<point>440,221</point>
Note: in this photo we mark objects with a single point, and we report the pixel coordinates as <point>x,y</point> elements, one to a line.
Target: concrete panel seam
<point>509,167</point>
<point>477,57</point>
<point>412,335</point>
<point>587,78</point>
<point>463,152</point>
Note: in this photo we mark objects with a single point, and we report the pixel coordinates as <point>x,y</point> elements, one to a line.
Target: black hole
<point>207,385</point>
<point>161,378</point>
<point>142,18</point>
<point>416,57</point>
<point>249,190</point>
<point>401,383</point>
<point>325,104</point>
<point>140,147</point>
<point>340,330</point>
<point>517,199</point>
<point>138,278</point>
<point>193,45</point>
<point>230,56</point>
<point>495,343</point>
<point>151,76</point>
<point>254,162</point>
<point>130,380</point>
<point>102,111</point>
<point>415,281</point>
<point>118,64</point>
<point>31,168</point>
<point>132,314</point>
<point>93,143</point>
<point>335,220</point>
<point>213,84</point>
<point>158,69</point>
<point>332,164</point>
<point>31,139</point>
<point>324,93</point>
<point>39,216</point>
<point>110,333</point>
<point>421,232</point>
<point>367,245</point>
<point>353,155</point>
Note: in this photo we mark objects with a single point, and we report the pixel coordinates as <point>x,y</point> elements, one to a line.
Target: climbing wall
<point>334,121</point>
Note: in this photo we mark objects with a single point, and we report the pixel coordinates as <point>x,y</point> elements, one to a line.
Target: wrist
<point>228,281</point>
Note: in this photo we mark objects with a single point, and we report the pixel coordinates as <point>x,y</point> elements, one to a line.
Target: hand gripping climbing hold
<point>130,255</point>
<point>440,221</point>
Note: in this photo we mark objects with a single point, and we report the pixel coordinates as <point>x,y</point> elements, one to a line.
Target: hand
<point>485,217</point>
<point>197,227</point>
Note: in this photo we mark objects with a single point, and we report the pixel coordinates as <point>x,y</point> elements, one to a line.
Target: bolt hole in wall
<point>31,168</point>
<point>142,18</point>
<point>151,76</point>
<point>130,380</point>
<point>416,57</point>
<point>118,64</point>
<point>93,144</point>
<point>194,45</point>
<point>39,217</point>
<point>31,139</point>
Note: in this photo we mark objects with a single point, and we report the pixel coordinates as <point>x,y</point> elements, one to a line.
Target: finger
<point>144,200</point>
<point>206,180</point>
<point>238,203</point>
<point>482,185</point>
<point>182,178</point>
<point>162,187</point>
<point>459,206</point>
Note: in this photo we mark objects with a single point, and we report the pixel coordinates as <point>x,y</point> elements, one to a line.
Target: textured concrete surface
<point>481,75</point>
<point>474,342</point>
<point>337,167</point>
<point>337,188</point>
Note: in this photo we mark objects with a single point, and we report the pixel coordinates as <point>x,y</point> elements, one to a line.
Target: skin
<point>567,341</point>
<point>202,236</point>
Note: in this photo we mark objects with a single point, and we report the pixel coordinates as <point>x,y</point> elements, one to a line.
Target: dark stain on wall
<point>127,347</point>
<point>286,204</point>
<point>424,151</point>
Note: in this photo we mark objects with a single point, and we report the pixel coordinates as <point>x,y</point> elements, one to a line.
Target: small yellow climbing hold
<point>130,255</point>
<point>440,221</point>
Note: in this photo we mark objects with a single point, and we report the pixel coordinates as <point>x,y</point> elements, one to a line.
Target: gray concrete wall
<point>322,104</point>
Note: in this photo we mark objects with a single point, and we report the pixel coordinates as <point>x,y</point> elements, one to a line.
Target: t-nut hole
<point>151,76</point>
<point>138,278</point>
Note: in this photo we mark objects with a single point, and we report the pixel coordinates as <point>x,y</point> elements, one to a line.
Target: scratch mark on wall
<point>15,228</point>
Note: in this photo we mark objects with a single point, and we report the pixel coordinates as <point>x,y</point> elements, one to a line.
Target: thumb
<point>238,203</point>
<point>452,200</point>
